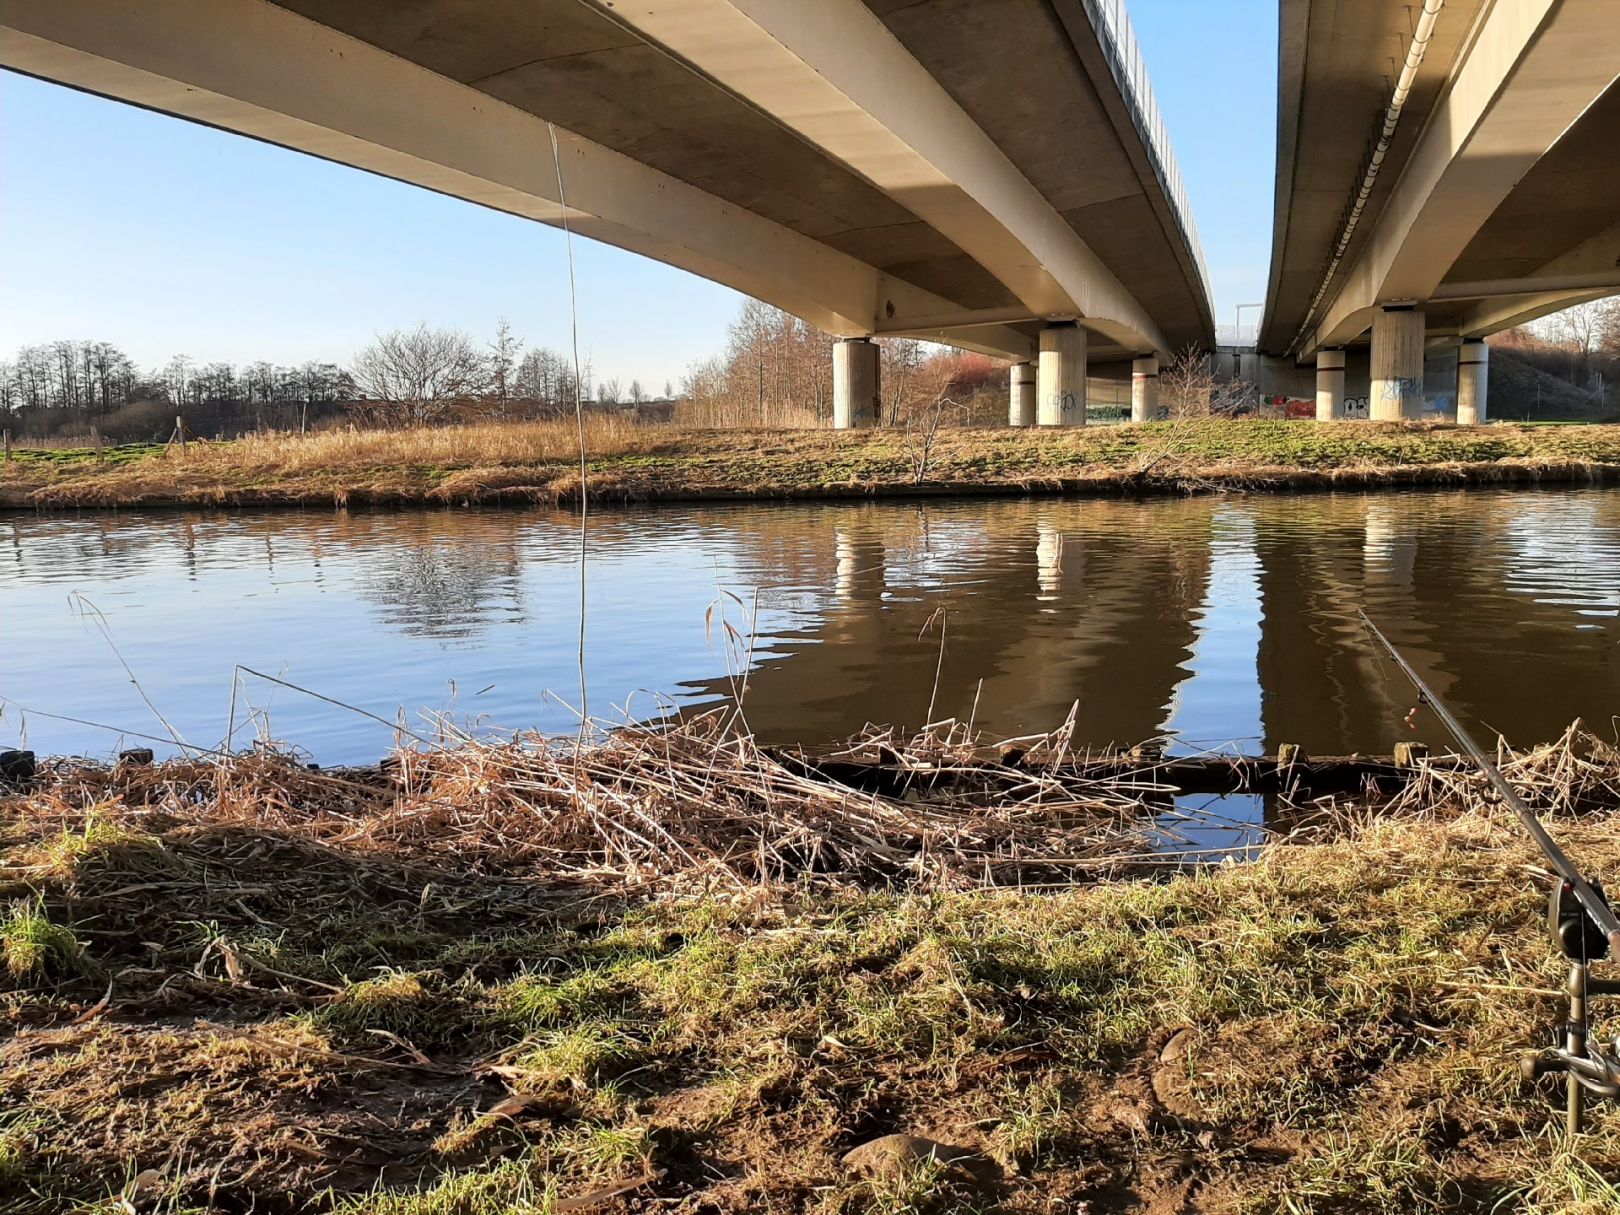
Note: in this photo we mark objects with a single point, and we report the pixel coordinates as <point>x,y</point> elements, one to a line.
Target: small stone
<point>892,1156</point>
<point>1177,1047</point>
<point>143,1193</point>
<point>1129,1116</point>
<point>17,766</point>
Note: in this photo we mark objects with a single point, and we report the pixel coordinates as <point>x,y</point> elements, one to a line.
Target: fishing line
<point>579,424</point>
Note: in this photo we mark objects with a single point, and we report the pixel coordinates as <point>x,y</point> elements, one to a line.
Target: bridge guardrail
<point>1118,40</point>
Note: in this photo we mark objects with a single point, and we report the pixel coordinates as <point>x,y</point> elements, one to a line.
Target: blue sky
<point>169,238</point>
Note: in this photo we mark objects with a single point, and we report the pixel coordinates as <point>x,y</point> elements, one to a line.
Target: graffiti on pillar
<point>1059,408</point>
<point>1401,388</point>
<point>1357,407</point>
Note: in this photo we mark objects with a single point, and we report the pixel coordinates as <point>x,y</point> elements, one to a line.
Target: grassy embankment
<point>538,462</point>
<point>264,989</point>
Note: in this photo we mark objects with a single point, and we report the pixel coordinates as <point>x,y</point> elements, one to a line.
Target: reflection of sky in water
<point>1208,826</point>
<point>1224,715</point>
<point>1228,622</point>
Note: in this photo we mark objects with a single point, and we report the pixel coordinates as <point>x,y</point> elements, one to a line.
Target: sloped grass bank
<point>231,1001</point>
<point>538,462</point>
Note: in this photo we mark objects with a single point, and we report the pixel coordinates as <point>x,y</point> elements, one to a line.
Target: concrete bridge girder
<point>256,69</point>
<point>834,74</point>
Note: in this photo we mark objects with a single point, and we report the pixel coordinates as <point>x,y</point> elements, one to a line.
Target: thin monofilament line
<point>579,423</point>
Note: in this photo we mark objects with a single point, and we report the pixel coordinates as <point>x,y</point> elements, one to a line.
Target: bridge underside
<point>825,195</point>
<point>1498,198</point>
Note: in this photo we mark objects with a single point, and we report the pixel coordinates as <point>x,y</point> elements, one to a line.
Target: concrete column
<point>1021,402</point>
<point>1060,376</point>
<point>856,383</point>
<point>1329,385</point>
<point>1473,370</point>
<point>1397,365</point>
<point>1145,388</point>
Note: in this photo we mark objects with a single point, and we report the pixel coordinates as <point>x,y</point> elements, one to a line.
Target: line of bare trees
<point>64,388</point>
<point>415,377</point>
<point>776,370</point>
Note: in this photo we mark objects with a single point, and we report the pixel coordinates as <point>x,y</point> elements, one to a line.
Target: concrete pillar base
<point>857,386</point>
<point>1145,388</point>
<point>1397,365</point>
<point>1060,376</point>
<point>1473,374</point>
<point>1021,398</point>
<point>1329,385</point>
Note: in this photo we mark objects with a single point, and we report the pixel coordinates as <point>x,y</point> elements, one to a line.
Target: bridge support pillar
<point>1021,401</point>
<point>856,383</point>
<point>1145,388</point>
<point>1473,370</point>
<point>1060,376</point>
<point>1329,385</point>
<point>1397,365</point>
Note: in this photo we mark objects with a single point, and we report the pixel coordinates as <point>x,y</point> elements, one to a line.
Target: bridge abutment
<point>857,383</point>
<point>1021,398</point>
<point>1145,388</point>
<point>1473,372</point>
<point>1397,364</point>
<point>1060,376</point>
<point>1329,385</point>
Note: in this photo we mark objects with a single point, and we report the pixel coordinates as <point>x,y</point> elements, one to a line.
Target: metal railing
<point>1237,335</point>
<point>1118,41</point>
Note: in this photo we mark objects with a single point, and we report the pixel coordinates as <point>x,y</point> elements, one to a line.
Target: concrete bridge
<point>1446,169</point>
<point>994,176</point>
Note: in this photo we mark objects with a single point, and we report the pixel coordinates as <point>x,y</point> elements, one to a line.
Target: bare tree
<point>1189,388</point>
<point>503,354</point>
<point>1189,393</point>
<point>1582,331</point>
<point>776,371</point>
<point>924,411</point>
<point>901,358</point>
<point>417,377</point>
<point>637,394</point>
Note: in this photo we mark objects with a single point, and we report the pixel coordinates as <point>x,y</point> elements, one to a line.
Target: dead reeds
<point>700,805</point>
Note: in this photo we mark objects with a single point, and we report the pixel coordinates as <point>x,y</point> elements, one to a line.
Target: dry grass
<point>444,989</point>
<point>534,461</point>
<point>489,443</point>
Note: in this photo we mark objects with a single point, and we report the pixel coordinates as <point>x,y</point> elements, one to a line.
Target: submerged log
<point>1290,771</point>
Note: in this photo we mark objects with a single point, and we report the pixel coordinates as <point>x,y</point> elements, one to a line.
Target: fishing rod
<point>1579,918</point>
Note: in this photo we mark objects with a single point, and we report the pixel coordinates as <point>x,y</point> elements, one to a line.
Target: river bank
<point>668,971</point>
<point>538,462</point>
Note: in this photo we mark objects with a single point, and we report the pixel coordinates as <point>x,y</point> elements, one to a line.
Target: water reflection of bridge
<point>1037,614</point>
<point>1098,604</point>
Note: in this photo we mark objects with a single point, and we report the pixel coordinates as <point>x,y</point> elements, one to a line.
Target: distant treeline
<point>1565,367</point>
<point>64,389</point>
<point>774,371</point>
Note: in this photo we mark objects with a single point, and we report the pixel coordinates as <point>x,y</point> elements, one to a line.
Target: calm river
<point>1225,621</point>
